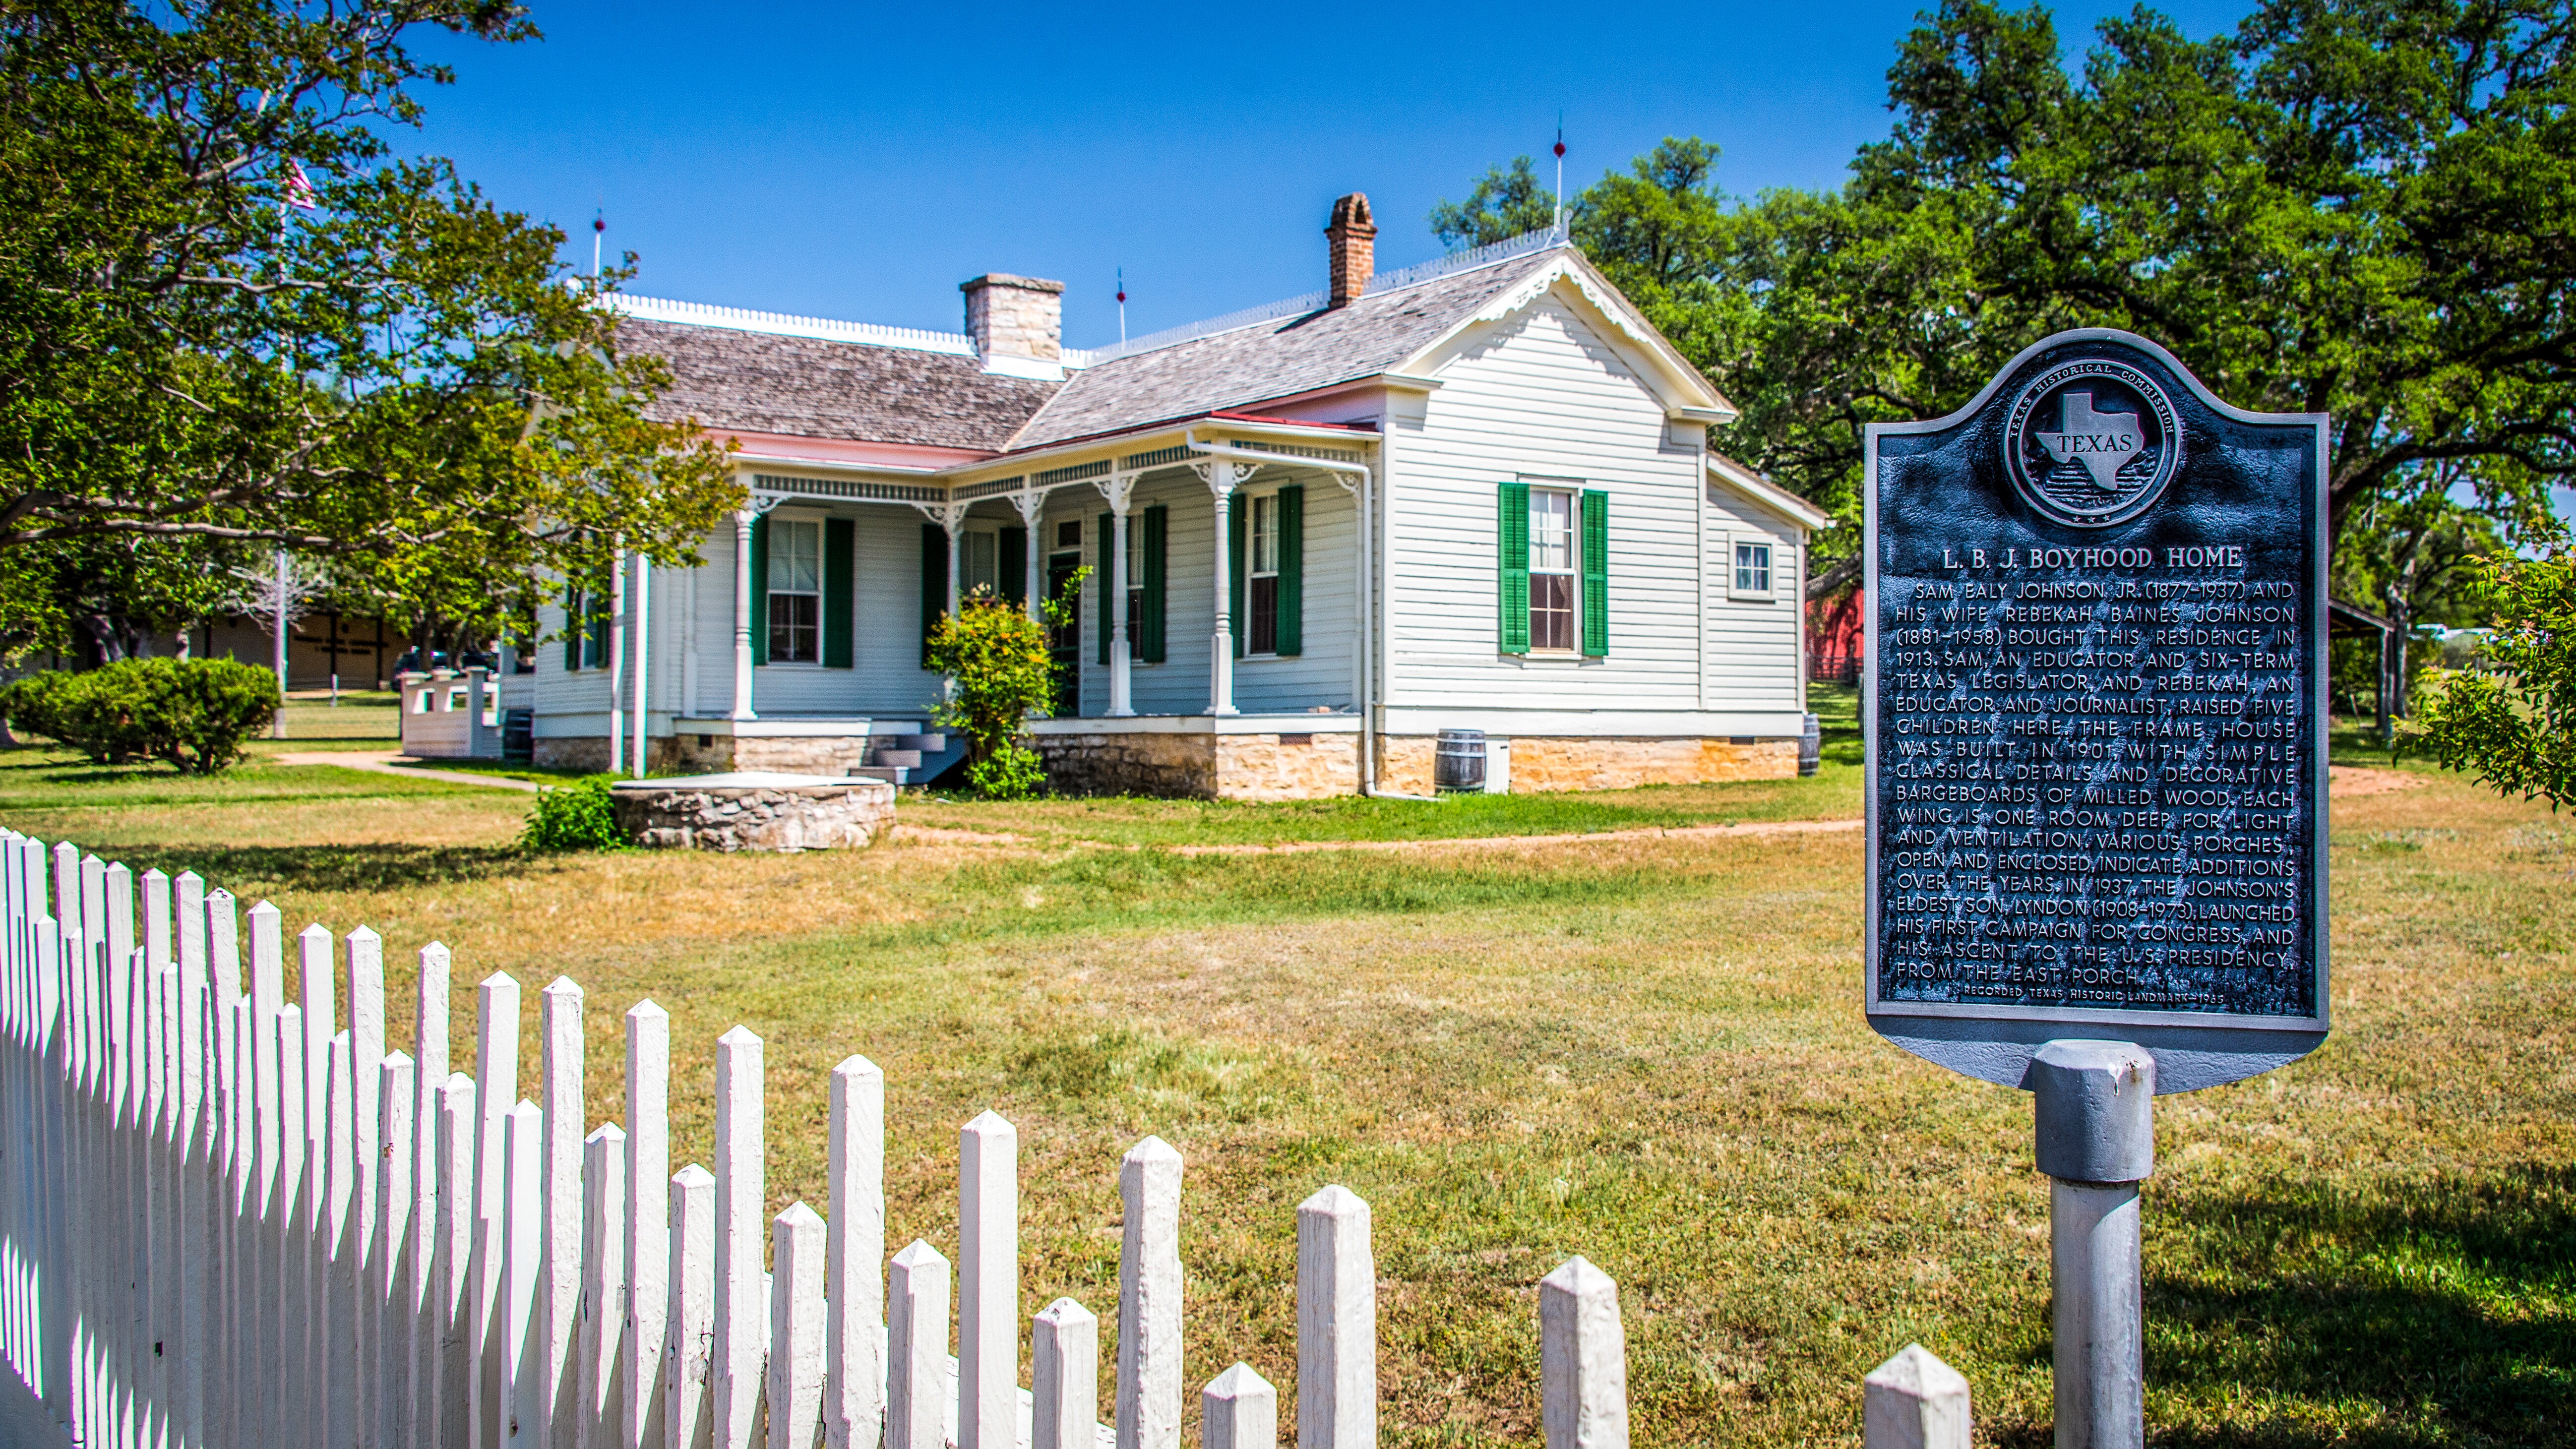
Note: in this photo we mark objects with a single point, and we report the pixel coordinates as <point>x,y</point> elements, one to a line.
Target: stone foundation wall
<point>837,816</point>
<point>801,754</point>
<point>1174,766</point>
<point>1541,763</point>
<point>590,753</point>
<point>1274,767</point>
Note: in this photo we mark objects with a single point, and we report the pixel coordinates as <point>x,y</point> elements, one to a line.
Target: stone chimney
<point>1015,317</point>
<point>1352,238</point>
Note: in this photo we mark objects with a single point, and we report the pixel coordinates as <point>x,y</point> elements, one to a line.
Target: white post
<point>1221,479</point>
<point>389,1306</point>
<point>688,1410</point>
<point>616,659</point>
<point>917,1349</point>
<point>1336,1323</point>
<point>1583,1359</point>
<point>604,1224</point>
<point>336,1347</point>
<point>855,1371</point>
<point>1914,1401</point>
<point>363,957</point>
<point>289,1406</point>
<point>953,523</point>
<point>1149,1298</point>
<point>522,1389</point>
<point>1240,1410</point>
<point>1120,695</point>
<point>1064,1376</point>
<point>559,1296</point>
<point>277,727</point>
<point>648,1217</point>
<point>449,1410</point>
<point>496,1081</point>
<point>988,1297</point>
<point>430,1071</point>
<point>796,1330</point>
<point>742,1305</point>
<point>742,587</point>
<point>1031,502</point>
<point>642,608</point>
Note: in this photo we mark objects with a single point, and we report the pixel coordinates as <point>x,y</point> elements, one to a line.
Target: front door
<point>1064,641</point>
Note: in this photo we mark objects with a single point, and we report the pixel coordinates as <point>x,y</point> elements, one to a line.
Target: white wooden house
<point>1473,494</point>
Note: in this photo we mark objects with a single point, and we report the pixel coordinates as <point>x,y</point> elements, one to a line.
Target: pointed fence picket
<point>231,1221</point>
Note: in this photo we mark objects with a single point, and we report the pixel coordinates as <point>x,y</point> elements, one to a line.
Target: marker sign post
<point>2096,726</point>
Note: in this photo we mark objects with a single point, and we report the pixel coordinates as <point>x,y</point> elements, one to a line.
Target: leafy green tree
<point>1505,202</point>
<point>2360,207</point>
<point>2513,720</point>
<point>229,314</point>
<point>2416,553</point>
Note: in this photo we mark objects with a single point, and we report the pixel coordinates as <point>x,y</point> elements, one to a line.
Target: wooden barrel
<point>1459,765</point>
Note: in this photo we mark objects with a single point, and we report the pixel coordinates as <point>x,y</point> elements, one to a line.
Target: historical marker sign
<point>2095,716</point>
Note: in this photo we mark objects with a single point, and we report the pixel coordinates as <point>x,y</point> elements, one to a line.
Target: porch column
<point>1117,488</point>
<point>642,601</point>
<point>1222,478</point>
<point>616,659</point>
<point>952,525</point>
<point>1031,503</point>
<point>742,614</point>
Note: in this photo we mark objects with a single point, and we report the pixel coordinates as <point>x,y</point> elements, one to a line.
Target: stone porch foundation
<point>1203,765</point>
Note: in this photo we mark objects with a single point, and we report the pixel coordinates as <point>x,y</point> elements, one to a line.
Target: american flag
<point>299,188</point>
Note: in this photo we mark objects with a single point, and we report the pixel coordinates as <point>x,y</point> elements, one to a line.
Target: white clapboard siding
<point>228,1222</point>
<point>1751,645</point>
<point>1542,398</point>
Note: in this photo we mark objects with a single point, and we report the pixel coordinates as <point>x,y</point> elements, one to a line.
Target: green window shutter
<point>576,624</point>
<point>1292,568</point>
<point>1238,532</point>
<point>838,546</point>
<point>760,589</point>
<point>1107,580</point>
<point>597,626</point>
<point>1157,529</point>
<point>1014,549</point>
<point>1596,573</point>
<point>1512,564</point>
<point>934,583</point>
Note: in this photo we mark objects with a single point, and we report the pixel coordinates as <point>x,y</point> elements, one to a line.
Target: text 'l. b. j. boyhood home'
<point>1477,494</point>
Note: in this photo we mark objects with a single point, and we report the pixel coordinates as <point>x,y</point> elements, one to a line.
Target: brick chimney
<point>1012,316</point>
<point>1352,239</point>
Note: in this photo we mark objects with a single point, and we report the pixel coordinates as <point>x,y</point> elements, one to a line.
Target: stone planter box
<point>753,810</point>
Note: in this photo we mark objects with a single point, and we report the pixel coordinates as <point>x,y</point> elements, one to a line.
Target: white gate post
<point>1239,1410</point>
<point>1064,1376</point>
<point>1583,1359</point>
<point>742,1302</point>
<point>1336,1323</point>
<point>988,1297</point>
<point>1149,1298</point>
<point>917,1349</point>
<point>648,1222</point>
<point>1914,1401</point>
<point>855,1370</point>
<point>688,1418</point>
<point>796,1330</point>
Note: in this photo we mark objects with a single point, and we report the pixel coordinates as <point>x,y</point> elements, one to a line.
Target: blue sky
<point>859,162</point>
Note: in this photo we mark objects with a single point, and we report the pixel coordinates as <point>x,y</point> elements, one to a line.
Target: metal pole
<point>2095,1115</point>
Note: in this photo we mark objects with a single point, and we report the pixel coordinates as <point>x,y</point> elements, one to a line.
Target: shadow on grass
<point>251,871</point>
<point>2437,1313</point>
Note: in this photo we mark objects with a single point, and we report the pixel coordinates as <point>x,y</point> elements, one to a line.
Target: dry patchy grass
<point>1647,1051</point>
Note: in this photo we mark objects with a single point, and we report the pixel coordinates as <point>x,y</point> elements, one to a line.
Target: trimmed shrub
<point>192,714</point>
<point>577,816</point>
<point>1012,772</point>
<point>1000,672</point>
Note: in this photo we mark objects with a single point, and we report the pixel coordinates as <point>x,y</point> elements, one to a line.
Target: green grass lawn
<point>1646,1050</point>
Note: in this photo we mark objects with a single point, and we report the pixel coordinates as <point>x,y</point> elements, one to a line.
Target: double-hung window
<point>1261,578</point>
<point>1751,577</point>
<point>795,592</point>
<point>1551,568</point>
<point>983,561</point>
<point>1135,587</point>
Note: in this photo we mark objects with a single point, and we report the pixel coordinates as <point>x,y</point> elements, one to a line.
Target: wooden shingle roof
<point>814,387</point>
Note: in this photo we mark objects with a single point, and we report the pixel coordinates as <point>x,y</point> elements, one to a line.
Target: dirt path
<point>1493,842</point>
<point>381,762</point>
<point>2345,782</point>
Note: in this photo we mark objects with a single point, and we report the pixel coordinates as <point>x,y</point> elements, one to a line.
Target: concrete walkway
<point>386,762</point>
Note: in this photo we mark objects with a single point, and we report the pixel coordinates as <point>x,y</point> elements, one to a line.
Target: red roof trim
<point>1244,417</point>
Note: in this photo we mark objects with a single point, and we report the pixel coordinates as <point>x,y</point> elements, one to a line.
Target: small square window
<point>1750,577</point>
<point>1068,534</point>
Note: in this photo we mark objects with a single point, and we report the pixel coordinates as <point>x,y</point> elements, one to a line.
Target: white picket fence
<point>234,1221</point>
